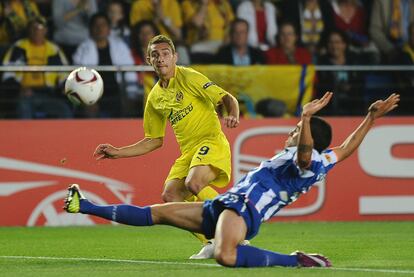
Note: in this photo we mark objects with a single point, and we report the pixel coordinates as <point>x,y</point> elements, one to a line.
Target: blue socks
<point>125,214</point>
<point>249,256</point>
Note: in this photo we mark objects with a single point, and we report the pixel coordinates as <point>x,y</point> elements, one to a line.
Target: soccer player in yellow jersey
<point>187,99</point>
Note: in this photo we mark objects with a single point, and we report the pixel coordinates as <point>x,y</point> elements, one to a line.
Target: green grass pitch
<point>355,248</point>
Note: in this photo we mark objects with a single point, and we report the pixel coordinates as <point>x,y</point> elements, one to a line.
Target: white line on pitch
<point>198,264</point>
<point>369,270</point>
<point>105,260</point>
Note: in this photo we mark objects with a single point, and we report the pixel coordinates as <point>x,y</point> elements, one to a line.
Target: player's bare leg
<point>200,177</point>
<point>230,232</point>
<point>184,215</point>
<point>175,191</point>
<point>198,182</point>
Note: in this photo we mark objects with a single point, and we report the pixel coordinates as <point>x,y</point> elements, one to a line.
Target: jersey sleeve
<point>328,159</point>
<point>154,121</point>
<point>203,87</point>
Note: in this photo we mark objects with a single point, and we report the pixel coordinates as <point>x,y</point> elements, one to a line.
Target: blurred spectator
<point>311,18</point>
<point>103,5</point>
<point>103,49</point>
<point>70,18</point>
<point>238,52</point>
<point>45,9</point>
<point>406,55</point>
<point>346,84</point>
<point>141,34</point>
<point>406,78</point>
<point>288,52</point>
<point>206,23</point>
<point>39,94</point>
<point>389,25</point>
<point>166,14</point>
<point>119,26</point>
<point>261,16</point>
<point>270,107</point>
<point>15,14</point>
<point>350,17</point>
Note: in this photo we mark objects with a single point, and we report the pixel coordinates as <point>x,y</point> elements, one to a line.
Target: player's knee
<point>194,185</point>
<point>171,196</point>
<point>225,257</point>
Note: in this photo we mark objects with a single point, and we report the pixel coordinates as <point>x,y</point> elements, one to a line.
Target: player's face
<point>163,59</point>
<point>293,137</point>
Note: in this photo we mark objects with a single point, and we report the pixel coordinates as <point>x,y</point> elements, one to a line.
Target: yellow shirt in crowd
<point>218,18</point>
<point>144,10</point>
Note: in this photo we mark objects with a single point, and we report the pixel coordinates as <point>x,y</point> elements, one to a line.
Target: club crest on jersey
<point>179,97</point>
<point>206,85</point>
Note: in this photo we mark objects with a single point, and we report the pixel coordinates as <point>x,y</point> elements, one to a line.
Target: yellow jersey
<point>188,103</point>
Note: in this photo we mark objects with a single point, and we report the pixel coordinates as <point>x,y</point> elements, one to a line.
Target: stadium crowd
<point>232,32</point>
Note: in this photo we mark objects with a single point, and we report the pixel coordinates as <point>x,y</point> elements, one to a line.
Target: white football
<point>84,86</point>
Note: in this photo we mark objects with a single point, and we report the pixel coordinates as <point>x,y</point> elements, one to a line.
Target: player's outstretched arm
<point>232,107</point>
<point>305,140</point>
<point>376,110</point>
<point>144,146</point>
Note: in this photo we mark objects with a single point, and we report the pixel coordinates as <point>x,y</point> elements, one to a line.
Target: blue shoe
<point>72,200</point>
<point>312,260</point>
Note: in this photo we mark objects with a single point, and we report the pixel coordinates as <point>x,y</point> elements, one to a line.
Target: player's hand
<point>316,105</point>
<point>106,151</point>
<point>382,107</point>
<point>231,121</point>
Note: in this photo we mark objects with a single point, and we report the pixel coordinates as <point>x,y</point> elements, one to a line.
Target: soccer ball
<point>84,86</point>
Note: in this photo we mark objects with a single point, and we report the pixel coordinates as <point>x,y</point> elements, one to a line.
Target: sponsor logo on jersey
<point>178,115</point>
<point>328,158</point>
<point>206,85</point>
<point>179,97</point>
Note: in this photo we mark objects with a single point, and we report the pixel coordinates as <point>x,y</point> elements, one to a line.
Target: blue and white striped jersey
<point>279,181</point>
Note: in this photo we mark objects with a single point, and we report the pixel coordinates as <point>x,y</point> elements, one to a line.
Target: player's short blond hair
<point>160,39</point>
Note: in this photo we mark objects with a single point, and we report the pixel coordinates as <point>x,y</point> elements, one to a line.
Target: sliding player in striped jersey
<point>237,214</point>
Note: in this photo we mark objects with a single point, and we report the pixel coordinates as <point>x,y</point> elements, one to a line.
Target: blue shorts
<point>236,202</point>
